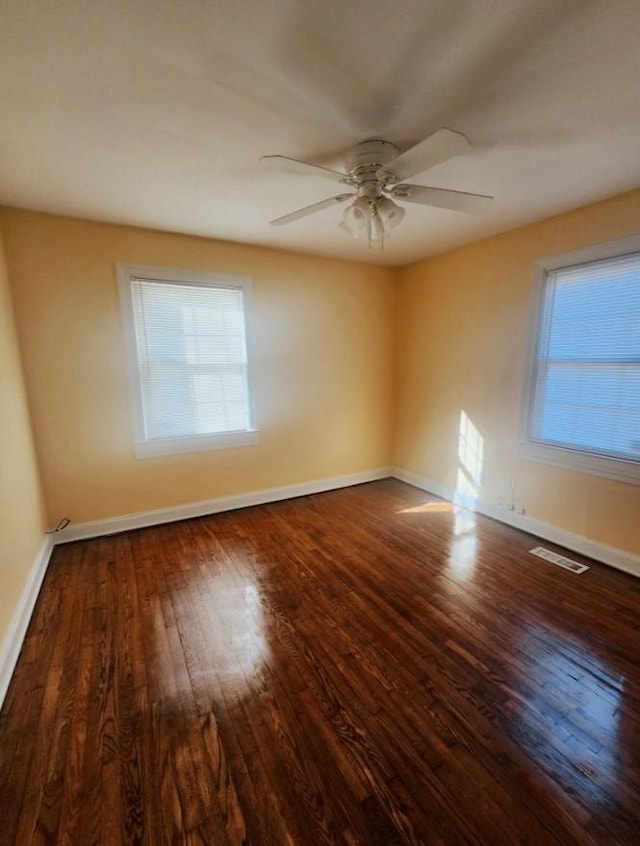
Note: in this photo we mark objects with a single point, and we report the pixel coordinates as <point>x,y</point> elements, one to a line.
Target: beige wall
<point>321,340</point>
<point>462,330</point>
<point>21,512</point>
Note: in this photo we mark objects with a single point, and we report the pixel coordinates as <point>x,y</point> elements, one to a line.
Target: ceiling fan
<point>375,169</point>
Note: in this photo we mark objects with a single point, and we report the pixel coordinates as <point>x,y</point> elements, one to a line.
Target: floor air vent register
<point>560,560</point>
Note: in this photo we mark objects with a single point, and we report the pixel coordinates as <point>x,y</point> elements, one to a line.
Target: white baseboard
<point>618,558</point>
<point>10,649</point>
<point>113,525</point>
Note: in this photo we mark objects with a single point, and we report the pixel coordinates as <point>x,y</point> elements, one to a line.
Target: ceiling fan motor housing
<point>368,153</point>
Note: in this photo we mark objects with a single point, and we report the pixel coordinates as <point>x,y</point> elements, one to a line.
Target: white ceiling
<point>156,112</point>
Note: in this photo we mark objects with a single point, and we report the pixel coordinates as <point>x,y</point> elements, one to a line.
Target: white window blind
<point>586,379</point>
<point>188,359</point>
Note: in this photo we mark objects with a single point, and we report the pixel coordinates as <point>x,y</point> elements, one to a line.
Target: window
<point>583,397</point>
<point>187,359</point>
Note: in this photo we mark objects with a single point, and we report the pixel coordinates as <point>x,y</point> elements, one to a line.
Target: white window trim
<point>571,459</point>
<point>150,447</point>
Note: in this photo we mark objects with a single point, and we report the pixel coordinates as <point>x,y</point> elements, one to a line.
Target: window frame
<point>145,447</point>
<point>593,463</point>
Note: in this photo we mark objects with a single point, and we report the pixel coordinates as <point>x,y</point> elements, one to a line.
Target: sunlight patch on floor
<point>429,508</point>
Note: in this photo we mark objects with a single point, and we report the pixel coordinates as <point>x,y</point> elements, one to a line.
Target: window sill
<point>195,443</point>
<point>582,462</point>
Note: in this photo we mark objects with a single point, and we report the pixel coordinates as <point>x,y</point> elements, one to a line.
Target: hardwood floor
<point>366,666</point>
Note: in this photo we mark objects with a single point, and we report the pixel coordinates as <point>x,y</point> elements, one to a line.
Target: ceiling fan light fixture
<point>354,220</point>
<point>374,218</point>
<point>390,213</point>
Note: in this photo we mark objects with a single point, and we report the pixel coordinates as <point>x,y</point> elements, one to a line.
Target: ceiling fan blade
<point>303,168</point>
<point>442,145</point>
<point>314,207</point>
<point>441,198</point>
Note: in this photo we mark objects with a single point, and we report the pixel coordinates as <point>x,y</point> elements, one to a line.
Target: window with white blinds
<point>584,404</point>
<point>188,357</point>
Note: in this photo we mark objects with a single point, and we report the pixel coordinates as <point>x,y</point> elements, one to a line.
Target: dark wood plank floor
<point>367,666</point>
